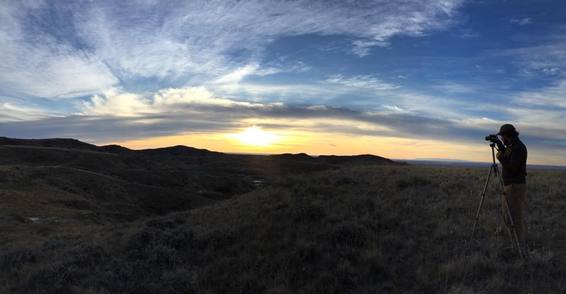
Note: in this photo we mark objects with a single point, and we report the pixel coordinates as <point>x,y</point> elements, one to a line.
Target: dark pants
<point>517,200</point>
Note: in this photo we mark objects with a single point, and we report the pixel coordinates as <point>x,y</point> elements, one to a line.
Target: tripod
<point>495,170</point>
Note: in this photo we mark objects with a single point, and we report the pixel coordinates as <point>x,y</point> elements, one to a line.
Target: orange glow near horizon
<point>262,141</point>
<point>314,143</point>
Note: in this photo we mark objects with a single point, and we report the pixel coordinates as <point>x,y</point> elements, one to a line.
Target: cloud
<point>543,108</point>
<point>117,115</point>
<point>240,73</point>
<point>254,69</point>
<point>13,111</point>
<point>362,48</point>
<point>326,90</point>
<point>541,113</point>
<point>553,97</point>
<point>467,33</point>
<point>118,103</point>
<point>545,58</point>
<point>363,82</point>
<point>149,68</point>
<point>56,49</point>
<point>454,88</point>
<point>114,103</point>
<point>41,66</point>
<point>290,92</point>
<point>523,21</point>
<point>121,115</point>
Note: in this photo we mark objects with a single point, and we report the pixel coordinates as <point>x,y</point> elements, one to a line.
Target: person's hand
<point>499,154</point>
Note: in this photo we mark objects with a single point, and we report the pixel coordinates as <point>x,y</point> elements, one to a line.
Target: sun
<point>256,136</point>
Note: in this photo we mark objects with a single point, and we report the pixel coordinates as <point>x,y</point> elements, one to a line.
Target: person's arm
<point>502,157</point>
<point>500,146</point>
<point>501,153</point>
<point>517,158</point>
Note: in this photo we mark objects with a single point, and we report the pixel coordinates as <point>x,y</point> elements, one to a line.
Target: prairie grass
<point>358,229</point>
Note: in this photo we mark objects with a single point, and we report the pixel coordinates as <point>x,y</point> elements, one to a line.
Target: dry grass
<point>360,229</point>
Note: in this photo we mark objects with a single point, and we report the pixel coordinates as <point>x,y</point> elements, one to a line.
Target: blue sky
<point>442,70</point>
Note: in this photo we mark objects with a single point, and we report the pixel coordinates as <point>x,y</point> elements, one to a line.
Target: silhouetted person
<point>513,158</point>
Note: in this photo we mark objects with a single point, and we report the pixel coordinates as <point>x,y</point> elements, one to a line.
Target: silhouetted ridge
<point>51,142</point>
<point>298,156</point>
<point>178,150</point>
<point>114,149</point>
<point>362,158</point>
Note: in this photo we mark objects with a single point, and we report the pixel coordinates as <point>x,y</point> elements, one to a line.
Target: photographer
<point>512,155</point>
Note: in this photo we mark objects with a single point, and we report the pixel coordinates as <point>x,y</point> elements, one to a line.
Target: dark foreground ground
<point>356,229</point>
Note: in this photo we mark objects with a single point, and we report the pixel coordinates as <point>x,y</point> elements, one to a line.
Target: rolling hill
<point>66,181</point>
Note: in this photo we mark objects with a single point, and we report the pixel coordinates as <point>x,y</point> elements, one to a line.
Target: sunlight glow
<point>256,136</point>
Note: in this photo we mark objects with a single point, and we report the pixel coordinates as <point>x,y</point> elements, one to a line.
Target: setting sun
<point>256,136</point>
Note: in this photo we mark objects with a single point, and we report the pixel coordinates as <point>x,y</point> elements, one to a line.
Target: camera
<point>492,138</point>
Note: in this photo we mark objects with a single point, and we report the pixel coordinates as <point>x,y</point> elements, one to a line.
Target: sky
<point>407,79</point>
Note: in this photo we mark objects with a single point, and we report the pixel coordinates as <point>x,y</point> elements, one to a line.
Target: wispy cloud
<point>452,87</point>
<point>240,73</point>
<point>106,42</point>
<point>254,69</point>
<point>39,64</point>
<point>541,109</point>
<point>522,21</point>
<point>364,82</point>
<point>12,111</point>
<point>552,97</point>
<point>117,103</point>
<point>333,86</point>
<point>547,57</point>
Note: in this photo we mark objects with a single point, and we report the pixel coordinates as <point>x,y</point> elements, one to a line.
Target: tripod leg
<point>481,202</point>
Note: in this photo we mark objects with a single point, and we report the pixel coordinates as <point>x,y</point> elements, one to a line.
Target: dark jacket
<point>513,159</point>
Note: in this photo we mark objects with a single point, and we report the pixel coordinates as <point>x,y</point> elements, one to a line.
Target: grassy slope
<point>73,190</point>
<point>366,229</point>
<point>60,178</point>
<point>67,189</point>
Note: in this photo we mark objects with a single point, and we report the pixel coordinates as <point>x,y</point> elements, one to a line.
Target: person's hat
<point>508,129</point>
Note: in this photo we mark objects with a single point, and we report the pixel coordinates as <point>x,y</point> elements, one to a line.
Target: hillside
<point>357,229</point>
<point>54,186</point>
